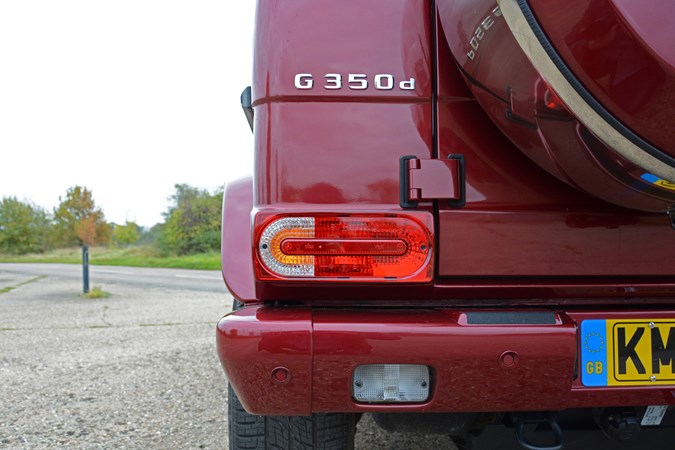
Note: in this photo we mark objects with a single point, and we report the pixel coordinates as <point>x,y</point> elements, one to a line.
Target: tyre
<point>315,432</point>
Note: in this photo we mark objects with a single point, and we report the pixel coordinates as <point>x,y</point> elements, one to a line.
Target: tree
<point>78,221</point>
<point>24,227</point>
<point>126,234</point>
<point>192,222</point>
<point>85,230</point>
<point>150,236</point>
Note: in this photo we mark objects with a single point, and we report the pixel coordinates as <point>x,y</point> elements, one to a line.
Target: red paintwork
<point>250,357</point>
<point>346,169</point>
<point>341,37</point>
<point>337,147</point>
<point>236,242</point>
<point>514,96</point>
<point>353,147</point>
<point>587,237</point>
<point>622,51</point>
<point>525,239</point>
<point>577,243</point>
<point>322,347</point>
<point>239,275</point>
<point>481,290</point>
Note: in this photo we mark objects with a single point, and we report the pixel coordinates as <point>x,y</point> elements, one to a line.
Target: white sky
<point>125,97</point>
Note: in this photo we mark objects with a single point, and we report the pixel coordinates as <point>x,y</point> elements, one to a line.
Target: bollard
<point>85,268</point>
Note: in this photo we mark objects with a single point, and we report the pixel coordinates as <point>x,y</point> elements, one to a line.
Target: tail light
<point>552,101</point>
<point>366,248</point>
<point>548,104</point>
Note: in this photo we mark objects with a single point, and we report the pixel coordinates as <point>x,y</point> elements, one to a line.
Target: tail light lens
<point>367,248</point>
<point>549,104</point>
<point>552,101</point>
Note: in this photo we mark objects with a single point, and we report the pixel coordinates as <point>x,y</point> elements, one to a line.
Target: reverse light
<point>391,383</point>
<point>367,248</point>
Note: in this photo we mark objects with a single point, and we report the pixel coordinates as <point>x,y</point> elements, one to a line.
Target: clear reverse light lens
<point>391,383</point>
<point>270,247</point>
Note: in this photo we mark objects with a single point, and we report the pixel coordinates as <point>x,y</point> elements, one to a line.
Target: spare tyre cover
<point>588,88</point>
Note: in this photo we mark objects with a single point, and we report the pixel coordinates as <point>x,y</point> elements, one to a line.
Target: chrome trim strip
<point>585,113</point>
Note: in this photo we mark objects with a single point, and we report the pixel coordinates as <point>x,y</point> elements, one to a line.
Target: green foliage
<point>192,222</point>
<point>149,236</point>
<point>126,234</point>
<point>133,256</point>
<point>97,292</point>
<point>24,227</point>
<point>78,221</point>
<point>191,227</point>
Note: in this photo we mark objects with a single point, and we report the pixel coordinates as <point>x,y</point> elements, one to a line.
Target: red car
<point>459,207</point>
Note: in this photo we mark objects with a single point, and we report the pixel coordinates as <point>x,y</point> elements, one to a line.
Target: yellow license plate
<point>637,352</point>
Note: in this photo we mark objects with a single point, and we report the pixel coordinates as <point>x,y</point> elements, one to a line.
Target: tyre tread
<point>316,432</point>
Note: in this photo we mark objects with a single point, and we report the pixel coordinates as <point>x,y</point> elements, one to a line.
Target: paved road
<point>194,280</point>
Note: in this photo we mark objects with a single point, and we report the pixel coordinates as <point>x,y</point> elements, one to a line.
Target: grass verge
<point>137,256</point>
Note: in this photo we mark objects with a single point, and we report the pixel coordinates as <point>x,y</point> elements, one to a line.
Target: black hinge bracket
<point>247,106</point>
<point>432,179</point>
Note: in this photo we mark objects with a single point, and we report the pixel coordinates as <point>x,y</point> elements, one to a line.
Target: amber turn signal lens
<point>391,248</point>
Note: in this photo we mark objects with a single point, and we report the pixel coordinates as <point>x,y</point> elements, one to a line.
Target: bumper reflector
<point>391,383</point>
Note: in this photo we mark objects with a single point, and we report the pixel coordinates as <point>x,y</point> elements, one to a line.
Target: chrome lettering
<point>479,33</point>
<point>333,81</point>
<point>388,83</point>
<point>355,81</point>
<point>407,85</point>
<point>304,81</point>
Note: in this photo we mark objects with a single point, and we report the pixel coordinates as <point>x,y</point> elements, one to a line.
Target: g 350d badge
<point>355,81</point>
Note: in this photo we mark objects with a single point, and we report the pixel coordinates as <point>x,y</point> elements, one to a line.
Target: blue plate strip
<point>593,353</point>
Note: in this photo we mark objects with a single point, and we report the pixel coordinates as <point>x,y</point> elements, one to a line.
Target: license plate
<point>630,352</point>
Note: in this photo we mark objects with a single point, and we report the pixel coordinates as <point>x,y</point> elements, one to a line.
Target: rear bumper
<point>320,348</point>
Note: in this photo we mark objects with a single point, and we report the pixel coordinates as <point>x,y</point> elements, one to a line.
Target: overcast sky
<point>125,97</point>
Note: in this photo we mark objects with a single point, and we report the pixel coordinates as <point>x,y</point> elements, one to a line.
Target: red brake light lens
<point>552,101</point>
<point>344,247</point>
<point>367,248</point>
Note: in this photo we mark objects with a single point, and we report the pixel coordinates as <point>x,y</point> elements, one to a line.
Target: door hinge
<point>432,179</point>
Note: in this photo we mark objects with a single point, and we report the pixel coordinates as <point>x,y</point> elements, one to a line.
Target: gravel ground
<point>136,370</point>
